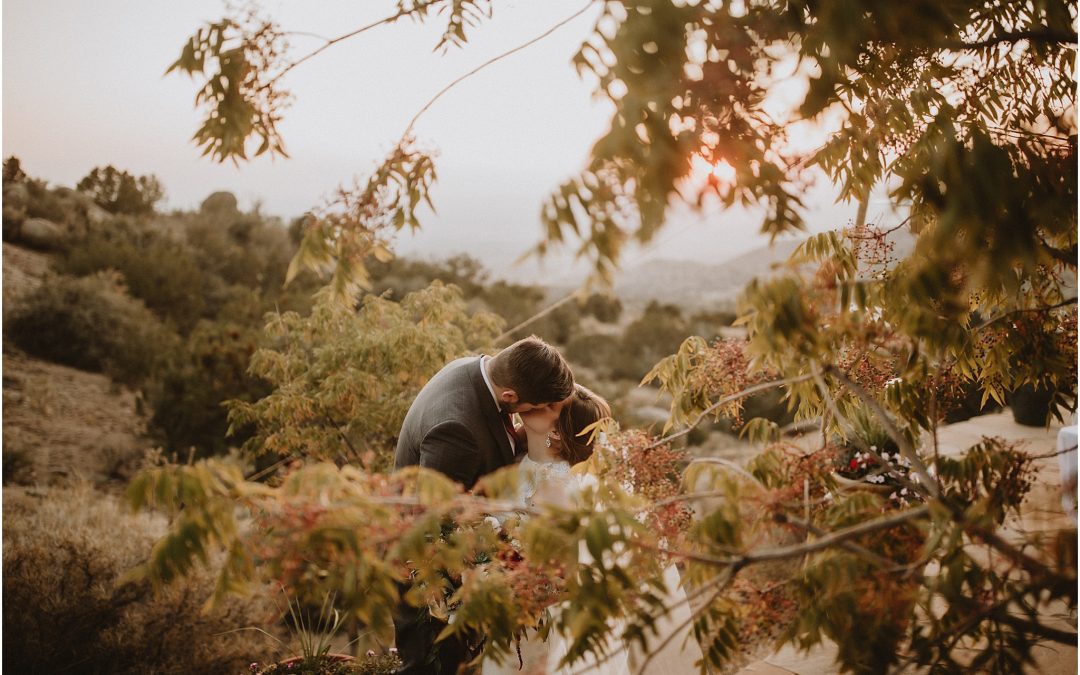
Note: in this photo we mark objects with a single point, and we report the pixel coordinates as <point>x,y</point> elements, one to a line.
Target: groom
<point>460,425</point>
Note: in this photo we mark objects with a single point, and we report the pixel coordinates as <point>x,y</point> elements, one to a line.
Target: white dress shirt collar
<point>487,380</point>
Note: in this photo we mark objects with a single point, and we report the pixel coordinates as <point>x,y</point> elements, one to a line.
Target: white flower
<point>893,496</point>
<point>494,522</point>
<point>874,448</point>
<point>903,491</point>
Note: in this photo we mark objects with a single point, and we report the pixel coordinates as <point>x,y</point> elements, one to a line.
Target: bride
<point>556,446</point>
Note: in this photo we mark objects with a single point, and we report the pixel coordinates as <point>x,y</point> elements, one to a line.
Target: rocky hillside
<point>60,422</point>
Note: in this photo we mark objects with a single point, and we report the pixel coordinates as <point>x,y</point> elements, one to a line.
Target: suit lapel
<point>492,417</point>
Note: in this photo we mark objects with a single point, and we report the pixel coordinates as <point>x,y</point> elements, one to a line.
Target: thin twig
<point>886,465</point>
<point>539,315</point>
<point>902,442</point>
<point>500,57</point>
<point>421,6</point>
<point>727,577</point>
<point>878,234</point>
<point>827,540</point>
<point>1054,454</point>
<point>849,546</point>
<point>1045,36</point>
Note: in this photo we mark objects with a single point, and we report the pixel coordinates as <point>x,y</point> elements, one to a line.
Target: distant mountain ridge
<point>699,285</point>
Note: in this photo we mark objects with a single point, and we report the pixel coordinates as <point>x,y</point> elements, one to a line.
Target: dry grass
<point>64,551</point>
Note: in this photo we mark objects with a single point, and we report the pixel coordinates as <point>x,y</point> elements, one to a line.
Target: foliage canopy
<point>964,114</point>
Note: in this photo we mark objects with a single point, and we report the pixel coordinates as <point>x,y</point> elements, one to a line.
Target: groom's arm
<point>451,449</point>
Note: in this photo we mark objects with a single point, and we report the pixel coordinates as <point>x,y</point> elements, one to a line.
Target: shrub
<point>239,248</point>
<point>595,351</point>
<point>157,269</point>
<point>118,191</point>
<point>343,379</point>
<point>188,410</point>
<point>13,171</point>
<point>656,333</point>
<point>606,308</point>
<point>91,323</point>
<point>66,608</point>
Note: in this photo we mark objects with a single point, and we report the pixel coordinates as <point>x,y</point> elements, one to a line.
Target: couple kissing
<point>461,424</point>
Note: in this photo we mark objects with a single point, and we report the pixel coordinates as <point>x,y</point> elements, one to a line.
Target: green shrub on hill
<point>596,352</point>
<point>342,379</point>
<point>212,368</point>
<point>157,269</point>
<point>118,191</point>
<point>91,323</point>
<point>656,333</point>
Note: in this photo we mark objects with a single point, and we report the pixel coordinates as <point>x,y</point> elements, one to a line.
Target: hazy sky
<point>83,86</point>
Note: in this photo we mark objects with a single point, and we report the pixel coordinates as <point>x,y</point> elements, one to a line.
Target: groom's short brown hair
<point>535,370</point>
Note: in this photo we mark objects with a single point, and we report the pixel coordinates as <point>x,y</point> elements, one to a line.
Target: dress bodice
<point>545,477</point>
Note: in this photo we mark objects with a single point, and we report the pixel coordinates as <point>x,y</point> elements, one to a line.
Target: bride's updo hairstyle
<point>584,408</point>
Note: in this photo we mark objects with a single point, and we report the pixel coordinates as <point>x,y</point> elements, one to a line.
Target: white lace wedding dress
<point>550,483</point>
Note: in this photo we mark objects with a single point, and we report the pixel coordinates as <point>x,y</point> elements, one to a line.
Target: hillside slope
<point>60,422</point>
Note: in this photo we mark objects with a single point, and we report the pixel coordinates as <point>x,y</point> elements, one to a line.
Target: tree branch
<point>1045,36</point>
<point>849,546</point>
<point>1065,255</point>
<point>797,550</point>
<point>500,57</point>
<point>1035,628</point>
<point>726,578</point>
<point>419,7</point>
<point>764,386</point>
<point>506,334</point>
<point>999,317</point>
<point>906,449</point>
<point>885,465</point>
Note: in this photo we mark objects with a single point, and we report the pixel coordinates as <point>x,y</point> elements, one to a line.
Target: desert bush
<point>157,269</point>
<point>343,379</point>
<point>595,351</point>
<point>656,333</point>
<point>118,191</point>
<point>241,248</point>
<point>606,308</point>
<point>514,303</point>
<point>91,323</point>
<point>18,462</point>
<point>211,369</point>
<point>68,609</point>
<point>13,171</point>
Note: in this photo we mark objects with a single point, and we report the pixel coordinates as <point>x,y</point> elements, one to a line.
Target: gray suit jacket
<point>454,426</point>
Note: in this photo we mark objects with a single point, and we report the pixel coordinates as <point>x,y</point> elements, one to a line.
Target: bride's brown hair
<point>584,408</point>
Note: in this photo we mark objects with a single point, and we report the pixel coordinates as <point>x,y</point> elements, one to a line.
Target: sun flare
<point>703,172</point>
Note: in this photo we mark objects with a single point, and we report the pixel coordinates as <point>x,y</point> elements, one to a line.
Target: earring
<point>547,441</point>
